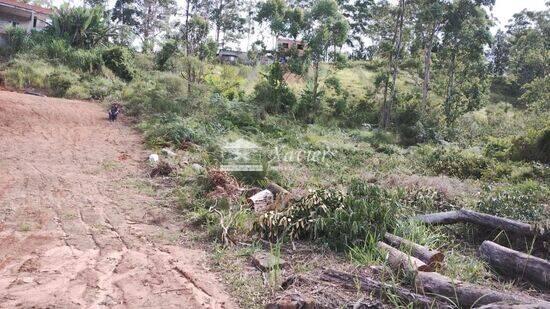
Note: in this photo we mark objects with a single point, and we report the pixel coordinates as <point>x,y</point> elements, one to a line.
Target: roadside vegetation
<point>436,115</point>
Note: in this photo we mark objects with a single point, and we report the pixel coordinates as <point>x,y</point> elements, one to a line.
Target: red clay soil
<point>74,231</point>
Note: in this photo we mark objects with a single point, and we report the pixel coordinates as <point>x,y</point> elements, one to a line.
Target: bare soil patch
<point>75,208</point>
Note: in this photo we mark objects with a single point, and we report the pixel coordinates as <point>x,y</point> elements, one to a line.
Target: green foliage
<point>60,81</point>
<point>272,93</point>
<point>536,94</point>
<point>119,60</point>
<point>533,146</point>
<point>80,26</point>
<point>17,39</point>
<point>333,218</point>
<point>498,148</point>
<point>524,201</point>
<point>24,72</point>
<point>453,161</point>
<point>227,82</point>
<point>171,130</point>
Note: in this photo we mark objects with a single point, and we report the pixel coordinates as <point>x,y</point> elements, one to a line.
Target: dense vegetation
<point>428,112</point>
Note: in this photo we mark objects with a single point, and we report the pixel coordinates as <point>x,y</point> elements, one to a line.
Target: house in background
<point>285,45</point>
<point>231,56</point>
<point>26,16</point>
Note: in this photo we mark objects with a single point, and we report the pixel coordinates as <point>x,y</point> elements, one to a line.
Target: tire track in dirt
<point>72,230</point>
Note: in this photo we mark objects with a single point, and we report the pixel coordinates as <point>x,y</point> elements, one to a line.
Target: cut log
<point>281,195</point>
<point>261,201</point>
<point>380,289</point>
<point>516,305</point>
<point>517,264</point>
<point>400,260</point>
<point>464,295</point>
<point>431,257</point>
<point>469,216</point>
<point>276,189</point>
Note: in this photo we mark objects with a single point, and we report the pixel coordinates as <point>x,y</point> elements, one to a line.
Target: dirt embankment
<point>78,225</point>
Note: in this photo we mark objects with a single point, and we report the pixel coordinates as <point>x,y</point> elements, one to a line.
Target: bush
<point>272,93</point>
<point>16,40</point>
<point>333,218</point>
<point>119,60</point>
<point>60,81</point>
<point>525,201</point>
<point>171,130</point>
<point>498,148</point>
<point>533,146</point>
<point>23,72</point>
<point>78,92</point>
<point>101,87</point>
<point>455,162</point>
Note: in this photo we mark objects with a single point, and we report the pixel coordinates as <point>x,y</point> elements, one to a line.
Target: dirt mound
<point>74,204</point>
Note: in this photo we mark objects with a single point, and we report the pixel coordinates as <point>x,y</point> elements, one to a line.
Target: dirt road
<point>80,224</point>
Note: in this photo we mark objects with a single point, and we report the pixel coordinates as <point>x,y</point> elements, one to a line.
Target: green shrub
<point>498,148</point>
<point>23,72</point>
<point>171,130</point>
<point>338,220</point>
<point>272,93</point>
<point>453,161</point>
<point>86,60</point>
<point>17,39</point>
<point>533,146</point>
<point>525,201</point>
<point>60,81</point>
<point>119,60</point>
<point>78,92</point>
<point>101,87</point>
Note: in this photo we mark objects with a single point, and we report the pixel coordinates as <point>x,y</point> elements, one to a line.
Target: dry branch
<point>464,295</point>
<point>380,289</point>
<point>401,260</point>
<point>469,216</point>
<point>431,257</point>
<point>517,264</point>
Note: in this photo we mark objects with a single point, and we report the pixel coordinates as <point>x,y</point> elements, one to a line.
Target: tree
<point>360,16</point>
<point>274,13</point>
<point>465,36</point>
<point>80,26</point>
<point>227,20</point>
<point>500,54</point>
<point>326,27</point>
<point>126,15</point>
<point>394,59</point>
<point>430,19</point>
<point>152,20</point>
<point>530,41</point>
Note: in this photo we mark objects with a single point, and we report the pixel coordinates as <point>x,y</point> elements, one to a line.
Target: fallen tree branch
<point>465,295</point>
<point>469,216</point>
<point>517,264</point>
<point>431,257</point>
<point>380,289</point>
<point>401,260</point>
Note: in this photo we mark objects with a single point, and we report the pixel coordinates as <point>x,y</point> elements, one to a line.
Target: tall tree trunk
<point>219,22</point>
<point>427,64</point>
<point>187,45</point>
<point>450,90</point>
<point>394,63</point>
<point>315,82</point>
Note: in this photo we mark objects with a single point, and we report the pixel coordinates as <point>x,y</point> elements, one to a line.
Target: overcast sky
<point>504,9</point>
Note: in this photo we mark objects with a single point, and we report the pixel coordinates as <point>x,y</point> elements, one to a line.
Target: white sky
<point>505,9</point>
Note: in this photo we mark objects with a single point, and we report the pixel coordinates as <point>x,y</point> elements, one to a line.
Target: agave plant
<point>81,27</point>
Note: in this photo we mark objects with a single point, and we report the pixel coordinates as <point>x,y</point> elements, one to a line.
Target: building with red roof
<point>19,14</point>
